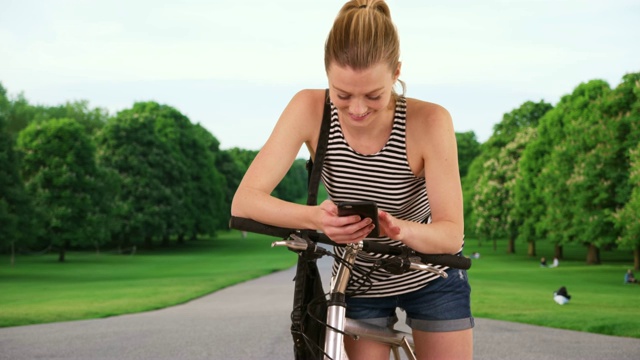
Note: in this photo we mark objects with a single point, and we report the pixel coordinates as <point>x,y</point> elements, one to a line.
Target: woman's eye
<point>343,97</point>
<point>373,97</point>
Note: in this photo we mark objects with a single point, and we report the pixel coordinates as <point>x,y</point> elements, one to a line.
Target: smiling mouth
<point>359,116</point>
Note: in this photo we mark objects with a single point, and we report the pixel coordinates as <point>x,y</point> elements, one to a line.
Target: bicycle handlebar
<point>244,224</point>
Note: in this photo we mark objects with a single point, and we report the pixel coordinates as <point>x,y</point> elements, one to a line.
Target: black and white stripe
<point>387,179</point>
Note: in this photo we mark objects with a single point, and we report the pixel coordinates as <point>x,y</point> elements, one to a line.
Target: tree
<point>170,185</point>
<point>233,163</point>
<point>60,174</point>
<point>232,171</point>
<point>526,116</point>
<point>129,146</point>
<point>494,204</point>
<point>624,105</point>
<point>626,218</point>
<point>15,209</point>
<point>563,175</point>
<point>92,119</point>
<point>468,150</point>
<point>212,208</point>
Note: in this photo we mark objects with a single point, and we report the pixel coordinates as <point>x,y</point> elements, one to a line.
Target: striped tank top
<point>387,179</point>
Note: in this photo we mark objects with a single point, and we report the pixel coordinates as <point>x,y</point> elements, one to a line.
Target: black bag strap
<point>308,334</point>
<point>314,167</point>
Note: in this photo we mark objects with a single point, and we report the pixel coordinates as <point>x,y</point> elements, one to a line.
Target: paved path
<point>251,321</point>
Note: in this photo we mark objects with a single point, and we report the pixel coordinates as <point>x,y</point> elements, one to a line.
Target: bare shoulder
<point>305,107</point>
<point>302,117</point>
<point>428,120</point>
<point>428,114</point>
<point>308,100</point>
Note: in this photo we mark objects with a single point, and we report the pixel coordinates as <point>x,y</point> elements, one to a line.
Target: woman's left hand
<point>389,226</point>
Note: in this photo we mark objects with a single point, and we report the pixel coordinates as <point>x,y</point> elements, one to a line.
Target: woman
<point>382,147</point>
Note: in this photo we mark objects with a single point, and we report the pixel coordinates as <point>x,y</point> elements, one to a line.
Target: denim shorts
<point>442,305</point>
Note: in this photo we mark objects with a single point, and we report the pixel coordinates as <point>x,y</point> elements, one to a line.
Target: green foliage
<point>294,185</point>
<point>486,215</point>
<point>233,169</point>
<point>291,188</point>
<point>559,173</point>
<point>564,180</point>
<point>527,115</point>
<point>15,209</point>
<point>19,113</point>
<point>60,174</point>
<point>493,203</point>
<point>627,217</point>
<point>468,150</point>
<point>584,180</point>
<point>92,119</point>
<point>170,185</point>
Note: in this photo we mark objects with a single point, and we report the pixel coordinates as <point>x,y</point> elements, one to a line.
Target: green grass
<point>38,289</point>
<point>515,288</point>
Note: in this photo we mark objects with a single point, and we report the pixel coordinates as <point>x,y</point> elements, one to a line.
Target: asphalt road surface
<point>251,321</point>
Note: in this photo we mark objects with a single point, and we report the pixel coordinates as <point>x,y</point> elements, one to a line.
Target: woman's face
<point>360,95</point>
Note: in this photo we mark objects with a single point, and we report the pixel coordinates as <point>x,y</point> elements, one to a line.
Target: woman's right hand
<point>343,229</point>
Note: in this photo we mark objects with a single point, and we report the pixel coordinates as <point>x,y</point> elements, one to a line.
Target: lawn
<point>38,289</point>
<point>516,288</point>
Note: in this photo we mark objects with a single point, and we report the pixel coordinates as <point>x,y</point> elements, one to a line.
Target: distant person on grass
<point>629,278</point>
<point>543,262</point>
<point>561,296</point>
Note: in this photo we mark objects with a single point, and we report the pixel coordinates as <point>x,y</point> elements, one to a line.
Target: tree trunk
<point>13,253</point>
<point>636,258</point>
<point>531,251</point>
<point>558,251</point>
<point>61,254</point>
<point>511,246</point>
<point>593,255</point>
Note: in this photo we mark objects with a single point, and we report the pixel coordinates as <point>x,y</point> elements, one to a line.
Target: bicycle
<point>337,324</point>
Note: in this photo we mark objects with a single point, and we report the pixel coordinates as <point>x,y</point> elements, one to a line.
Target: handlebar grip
<point>249,225</point>
<point>453,261</point>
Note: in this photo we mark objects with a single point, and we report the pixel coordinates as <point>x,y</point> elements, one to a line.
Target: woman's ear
<point>396,74</point>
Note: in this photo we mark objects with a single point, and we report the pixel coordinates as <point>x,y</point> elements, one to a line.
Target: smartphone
<point>366,209</point>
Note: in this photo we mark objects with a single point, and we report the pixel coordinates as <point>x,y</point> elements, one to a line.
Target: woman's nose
<point>358,107</point>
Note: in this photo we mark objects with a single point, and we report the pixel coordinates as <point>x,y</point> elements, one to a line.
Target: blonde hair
<point>363,35</point>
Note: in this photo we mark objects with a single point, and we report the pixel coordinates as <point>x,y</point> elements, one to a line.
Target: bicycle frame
<point>338,324</point>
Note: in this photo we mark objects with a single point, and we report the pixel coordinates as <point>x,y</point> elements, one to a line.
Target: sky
<point>232,66</point>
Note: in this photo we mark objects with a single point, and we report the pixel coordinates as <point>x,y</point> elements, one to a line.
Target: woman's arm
<point>298,124</point>
<point>432,151</point>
